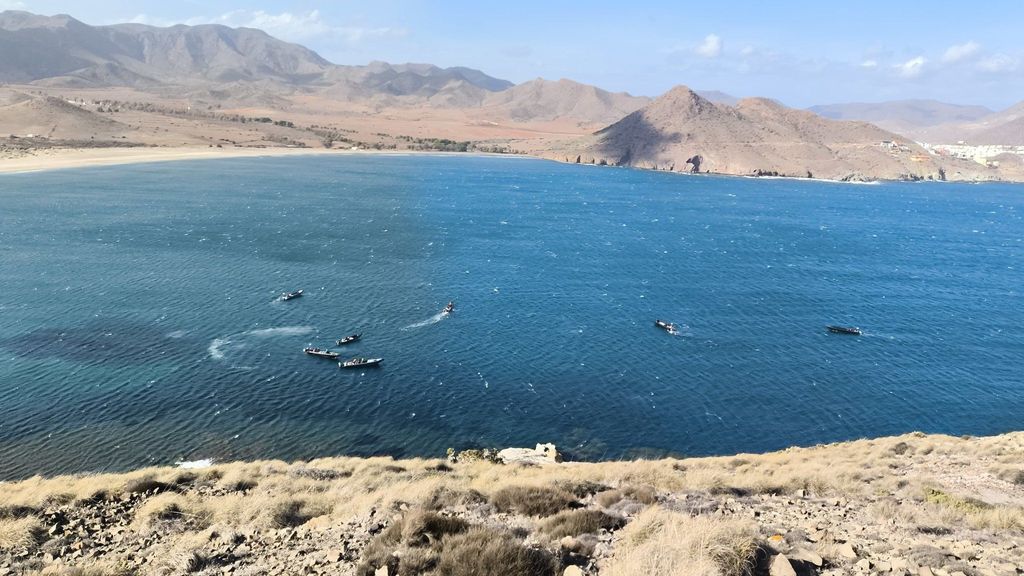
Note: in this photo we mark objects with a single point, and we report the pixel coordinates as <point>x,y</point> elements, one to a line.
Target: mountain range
<point>934,121</point>
<point>66,79</point>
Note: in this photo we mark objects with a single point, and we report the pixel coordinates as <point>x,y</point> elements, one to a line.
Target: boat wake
<point>219,348</point>
<point>432,320</point>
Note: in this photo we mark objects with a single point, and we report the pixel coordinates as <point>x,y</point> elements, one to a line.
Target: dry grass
<point>484,551</point>
<point>20,533</point>
<point>171,511</point>
<point>673,544</point>
<point>532,500</point>
<point>577,522</point>
<point>411,544</point>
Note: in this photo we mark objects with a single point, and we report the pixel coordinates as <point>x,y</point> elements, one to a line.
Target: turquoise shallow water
<point>138,321</point>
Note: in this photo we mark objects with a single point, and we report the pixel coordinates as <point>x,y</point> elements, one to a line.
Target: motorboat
<point>844,330</point>
<point>321,353</point>
<point>666,326</point>
<point>348,339</point>
<point>285,296</point>
<point>359,362</point>
<point>449,308</point>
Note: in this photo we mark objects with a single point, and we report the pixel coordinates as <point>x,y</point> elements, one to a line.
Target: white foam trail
<point>192,464</point>
<point>215,348</point>
<point>178,334</point>
<point>282,331</point>
<point>219,347</point>
<point>432,320</point>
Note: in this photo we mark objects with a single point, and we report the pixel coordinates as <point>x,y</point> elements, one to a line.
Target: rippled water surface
<point>138,320</point>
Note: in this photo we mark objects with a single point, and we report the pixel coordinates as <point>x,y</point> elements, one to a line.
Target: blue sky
<point>799,52</point>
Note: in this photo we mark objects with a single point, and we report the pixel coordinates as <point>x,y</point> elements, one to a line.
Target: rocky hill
<point>914,504</point>
<point>684,132</point>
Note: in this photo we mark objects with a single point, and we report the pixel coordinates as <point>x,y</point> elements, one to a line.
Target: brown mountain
<point>907,117</point>
<point>681,131</point>
<point>542,99</point>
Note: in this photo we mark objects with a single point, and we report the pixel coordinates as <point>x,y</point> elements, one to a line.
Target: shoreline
<point>46,160</point>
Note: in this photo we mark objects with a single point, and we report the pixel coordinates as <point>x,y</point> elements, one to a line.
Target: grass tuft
<point>532,500</point>
<point>483,551</point>
<point>577,522</point>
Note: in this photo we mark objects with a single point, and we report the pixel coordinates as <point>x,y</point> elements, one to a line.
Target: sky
<point>799,52</point>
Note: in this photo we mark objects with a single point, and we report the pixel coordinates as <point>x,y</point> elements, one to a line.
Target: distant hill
<point>542,99</point>
<point>936,122</point>
<point>684,132</point>
<point>718,97</point>
<point>907,117</point>
<point>60,50</point>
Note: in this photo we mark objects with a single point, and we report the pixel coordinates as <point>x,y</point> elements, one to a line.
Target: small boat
<point>321,353</point>
<point>844,330</point>
<point>348,339</point>
<point>285,296</point>
<point>666,326</point>
<point>358,362</point>
<point>449,308</point>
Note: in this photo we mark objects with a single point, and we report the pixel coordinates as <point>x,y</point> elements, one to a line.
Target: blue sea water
<point>139,322</point>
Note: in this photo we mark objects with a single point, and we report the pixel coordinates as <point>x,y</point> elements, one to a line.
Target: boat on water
<point>348,339</point>
<point>666,326</point>
<point>321,353</point>
<point>844,330</point>
<point>449,308</point>
<point>285,296</point>
<point>358,362</point>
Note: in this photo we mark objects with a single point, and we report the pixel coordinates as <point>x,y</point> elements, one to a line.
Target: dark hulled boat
<point>359,362</point>
<point>666,326</point>
<point>285,296</point>
<point>321,353</point>
<point>844,330</point>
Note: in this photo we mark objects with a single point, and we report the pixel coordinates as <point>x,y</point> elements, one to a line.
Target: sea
<point>140,319</point>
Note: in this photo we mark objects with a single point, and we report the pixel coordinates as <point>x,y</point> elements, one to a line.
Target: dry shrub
<point>482,551</point>
<point>144,484</point>
<point>532,500</point>
<point>410,544</point>
<point>643,494</point>
<point>445,497</point>
<point>581,488</point>
<point>20,533</point>
<point>576,522</point>
<point>93,569</point>
<point>669,543</point>
<point>171,510</point>
<point>292,512</point>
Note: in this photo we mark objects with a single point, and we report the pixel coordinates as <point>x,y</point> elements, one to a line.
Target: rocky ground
<point>920,505</point>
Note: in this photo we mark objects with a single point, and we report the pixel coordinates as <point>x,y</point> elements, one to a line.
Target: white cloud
<point>998,63</point>
<point>912,67</point>
<point>711,47</point>
<point>869,64</point>
<point>747,51</point>
<point>958,52</point>
<point>11,5</point>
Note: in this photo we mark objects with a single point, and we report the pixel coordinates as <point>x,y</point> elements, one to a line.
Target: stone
<point>572,571</point>
<point>806,555</point>
<point>542,454</point>
<point>846,551</point>
<point>863,564</point>
<point>382,571</point>
<point>882,566</point>
<point>781,566</point>
<point>924,571</point>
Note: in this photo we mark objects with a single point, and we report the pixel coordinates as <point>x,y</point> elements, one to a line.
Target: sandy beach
<point>60,158</point>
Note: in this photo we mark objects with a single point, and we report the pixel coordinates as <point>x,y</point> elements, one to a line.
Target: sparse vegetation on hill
<point>914,504</point>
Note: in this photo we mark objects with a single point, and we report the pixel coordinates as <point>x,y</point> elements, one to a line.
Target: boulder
<point>542,454</point>
<point>846,551</point>
<point>781,566</point>
<point>806,555</point>
<point>572,571</point>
